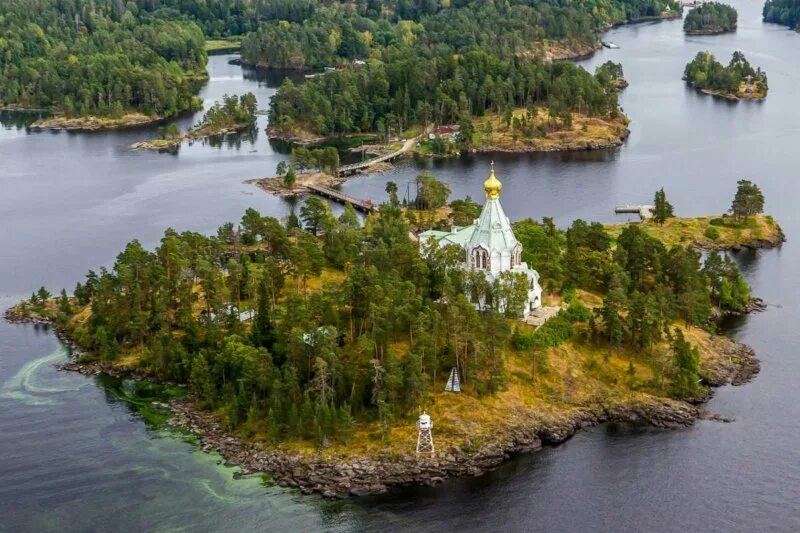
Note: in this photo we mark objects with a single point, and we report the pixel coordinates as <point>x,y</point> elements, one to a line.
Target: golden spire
<point>492,185</point>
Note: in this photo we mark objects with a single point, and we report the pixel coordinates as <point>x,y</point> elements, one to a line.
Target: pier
<point>346,170</point>
<point>644,211</point>
<point>365,206</point>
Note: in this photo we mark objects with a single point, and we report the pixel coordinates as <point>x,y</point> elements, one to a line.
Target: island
<point>610,74</point>
<point>233,114</point>
<point>547,111</point>
<point>737,81</point>
<point>710,18</point>
<point>308,347</point>
<point>785,12</point>
<point>96,67</point>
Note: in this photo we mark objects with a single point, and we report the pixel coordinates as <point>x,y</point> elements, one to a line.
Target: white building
<point>490,245</point>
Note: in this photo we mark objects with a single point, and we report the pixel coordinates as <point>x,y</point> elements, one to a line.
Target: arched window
<point>516,259</point>
<point>480,258</point>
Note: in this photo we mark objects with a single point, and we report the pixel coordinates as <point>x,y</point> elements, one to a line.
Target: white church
<point>489,244</point>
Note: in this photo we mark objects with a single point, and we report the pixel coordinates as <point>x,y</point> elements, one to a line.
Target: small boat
<point>609,44</point>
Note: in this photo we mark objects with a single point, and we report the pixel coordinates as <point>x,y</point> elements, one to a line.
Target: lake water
<point>77,457</point>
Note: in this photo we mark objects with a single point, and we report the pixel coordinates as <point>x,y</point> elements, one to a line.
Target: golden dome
<point>492,185</point>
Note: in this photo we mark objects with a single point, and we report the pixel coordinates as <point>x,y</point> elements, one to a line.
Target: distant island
<point>308,347</point>
<point>234,114</point>
<point>786,12</point>
<point>710,18</point>
<point>737,81</point>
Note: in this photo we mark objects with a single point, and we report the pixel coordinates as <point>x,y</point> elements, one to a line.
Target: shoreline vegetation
<point>736,81</point>
<point>517,131</point>
<point>785,12</point>
<point>309,347</point>
<point>710,18</point>
<point>234,114</point>
<point>223,46</point>
<point>94,123</point>
<point>709,233</point>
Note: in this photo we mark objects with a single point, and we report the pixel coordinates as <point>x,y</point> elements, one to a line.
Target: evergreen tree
<point>289,178</point>
<point>749,200</point>
<point>663,209</point>
<point>687,364</point>
<point>263,331</point>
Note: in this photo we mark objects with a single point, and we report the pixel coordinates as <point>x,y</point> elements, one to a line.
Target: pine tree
<point>613,305</point>
<point>749,200</point>
<point>290,178</point>
<point>663,209</point>
<point>346,424</point>
<point>263,332</point>
<point>687,364</point>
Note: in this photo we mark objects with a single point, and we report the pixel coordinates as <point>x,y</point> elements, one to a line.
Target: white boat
<point>609,44</point>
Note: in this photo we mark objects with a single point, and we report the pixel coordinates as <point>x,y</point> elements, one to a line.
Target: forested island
<point>387,99</point>
<point>736,81</point>
<point>786,12</point>
<point>102,64</point>
<point>710,18</point>
<point>99,60</point>
<point>232,115</point>
<point>309,345</point>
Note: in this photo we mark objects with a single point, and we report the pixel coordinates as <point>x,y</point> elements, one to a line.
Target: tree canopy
<point>97,57</point>
<point>749,200</point>
<point>711,17</point>
<point>786,12</point>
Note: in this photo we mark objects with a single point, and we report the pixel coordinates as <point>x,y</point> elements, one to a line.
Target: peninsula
<point>737,81</point>
<point>309,347</point>
<point>233,114</point>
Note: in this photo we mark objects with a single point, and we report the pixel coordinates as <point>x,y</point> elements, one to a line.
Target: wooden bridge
<point>346,170</point>
<point>644,211</point>
<point>365,206</point>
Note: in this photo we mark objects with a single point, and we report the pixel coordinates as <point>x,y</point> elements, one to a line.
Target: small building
<point>490,246</point>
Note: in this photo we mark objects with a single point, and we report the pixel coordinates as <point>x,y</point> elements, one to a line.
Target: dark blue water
<point>76,457</point>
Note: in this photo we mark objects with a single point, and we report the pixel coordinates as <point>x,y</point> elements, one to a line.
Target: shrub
<point>552,333</point>
<point>712,233</point>
<point>717,221</point>
<point>522,340</point>
<point>568,294</point>
<point>577,312</point>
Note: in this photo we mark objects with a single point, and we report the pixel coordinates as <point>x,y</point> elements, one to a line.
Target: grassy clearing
<point>491,133</point>
<point>230,44</point>
<point>712,232</point>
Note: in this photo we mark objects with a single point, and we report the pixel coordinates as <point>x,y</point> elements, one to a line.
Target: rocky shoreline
<point>165,145</point>
<point>753,97</point>
<point>92,123</point>
<point>338,477</point>
<point>335,476</point>
<point>576,146</point>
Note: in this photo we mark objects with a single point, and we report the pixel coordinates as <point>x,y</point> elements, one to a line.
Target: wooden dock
<point>644,211</point>
<point>346,170</point>
<point>365,206</point>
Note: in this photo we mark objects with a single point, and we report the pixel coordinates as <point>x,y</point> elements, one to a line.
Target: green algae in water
<point>33,385</point>
<point>145,399</point>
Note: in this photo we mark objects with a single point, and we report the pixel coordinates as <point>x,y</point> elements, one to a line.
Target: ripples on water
<point>78,454</point>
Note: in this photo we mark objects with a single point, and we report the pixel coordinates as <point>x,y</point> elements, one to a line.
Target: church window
<point>480,258</point>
